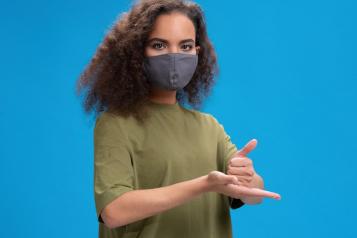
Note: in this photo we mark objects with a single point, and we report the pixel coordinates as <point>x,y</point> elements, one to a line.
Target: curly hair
<point>114,79</point>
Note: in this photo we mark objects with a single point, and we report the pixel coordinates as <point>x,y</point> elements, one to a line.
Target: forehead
<point>173,26</point>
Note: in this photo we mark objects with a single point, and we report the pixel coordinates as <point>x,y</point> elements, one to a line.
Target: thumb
<point>247,148</point>
<point>230,179</point>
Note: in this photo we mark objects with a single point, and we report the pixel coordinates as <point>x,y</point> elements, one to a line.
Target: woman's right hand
<point>229,186</point>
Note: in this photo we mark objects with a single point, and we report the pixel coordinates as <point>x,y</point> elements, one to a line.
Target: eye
<point>187,47</point>
<point>158,45</point>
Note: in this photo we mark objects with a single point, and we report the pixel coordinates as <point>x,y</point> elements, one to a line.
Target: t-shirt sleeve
<point>226,148</point>
<point>113,170</point>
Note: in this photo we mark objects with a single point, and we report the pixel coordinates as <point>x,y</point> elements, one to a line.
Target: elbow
<point>110,219</point>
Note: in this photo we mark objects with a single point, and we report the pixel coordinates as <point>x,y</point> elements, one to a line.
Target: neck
<point>162,96</point>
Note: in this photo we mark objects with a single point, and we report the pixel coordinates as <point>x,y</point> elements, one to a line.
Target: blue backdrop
<point>288,78</point>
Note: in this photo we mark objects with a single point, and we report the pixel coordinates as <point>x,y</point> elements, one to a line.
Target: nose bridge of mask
<point>182,70</point>
<point>173,73</point>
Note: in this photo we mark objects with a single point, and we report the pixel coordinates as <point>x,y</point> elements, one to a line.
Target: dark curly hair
<point>114,79</point>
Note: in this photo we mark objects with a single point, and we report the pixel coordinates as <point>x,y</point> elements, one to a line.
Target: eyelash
<point>160,43</point>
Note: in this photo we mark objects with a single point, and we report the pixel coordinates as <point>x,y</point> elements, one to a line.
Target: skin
<point>174,28</point>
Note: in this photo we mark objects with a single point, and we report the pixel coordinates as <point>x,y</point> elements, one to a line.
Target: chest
<point>167,154</point>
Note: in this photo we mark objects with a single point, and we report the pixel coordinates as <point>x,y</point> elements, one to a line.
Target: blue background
<point>288,78</point>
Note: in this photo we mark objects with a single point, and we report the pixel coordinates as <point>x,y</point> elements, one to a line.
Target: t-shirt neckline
<point>164,106</point>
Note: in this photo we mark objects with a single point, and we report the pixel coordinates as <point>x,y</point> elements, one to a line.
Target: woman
<point>160,168</point>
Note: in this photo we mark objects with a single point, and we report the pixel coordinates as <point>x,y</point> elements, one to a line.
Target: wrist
<point>206,185</point>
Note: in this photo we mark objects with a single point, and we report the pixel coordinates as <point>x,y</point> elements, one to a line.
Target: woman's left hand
<point>241,166</point>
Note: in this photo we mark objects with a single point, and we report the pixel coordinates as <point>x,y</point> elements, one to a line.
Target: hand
<point>241,166</point>
<point>230,186</point>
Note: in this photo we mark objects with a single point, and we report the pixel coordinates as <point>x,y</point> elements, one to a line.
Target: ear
<point>197,50</point>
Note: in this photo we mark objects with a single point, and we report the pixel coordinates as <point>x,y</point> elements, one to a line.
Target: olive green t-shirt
<point>174,144</point>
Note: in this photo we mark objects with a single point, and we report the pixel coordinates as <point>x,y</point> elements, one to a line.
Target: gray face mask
<point>170,71</point>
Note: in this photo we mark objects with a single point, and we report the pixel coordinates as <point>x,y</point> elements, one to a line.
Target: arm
<point>148,202</point>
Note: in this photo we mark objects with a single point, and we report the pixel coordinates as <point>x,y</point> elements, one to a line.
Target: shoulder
<point>109,126</point>
<point>109,119</point>
<point>105,122</point>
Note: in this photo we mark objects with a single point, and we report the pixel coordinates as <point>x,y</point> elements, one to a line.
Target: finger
<point>239,171</point>
<point>244,179</point>
<point>248,148</point>
<point>240,161</point>
<point>229,179</point>
<point>243,182</point>
<point>258,192</point>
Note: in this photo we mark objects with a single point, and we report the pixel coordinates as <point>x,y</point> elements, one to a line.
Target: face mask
<point>170,71</point>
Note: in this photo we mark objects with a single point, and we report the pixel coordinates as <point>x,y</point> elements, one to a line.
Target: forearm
<point>139,204</point>
<point>257,182</point>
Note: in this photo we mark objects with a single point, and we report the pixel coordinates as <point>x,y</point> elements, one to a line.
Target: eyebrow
<point>165,41</point>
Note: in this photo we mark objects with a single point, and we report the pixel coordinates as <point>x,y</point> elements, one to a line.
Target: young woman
<point>162,170</point>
